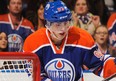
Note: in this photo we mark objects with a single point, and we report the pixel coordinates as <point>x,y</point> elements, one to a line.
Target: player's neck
<point>56,41</point>
<point>15,17</point>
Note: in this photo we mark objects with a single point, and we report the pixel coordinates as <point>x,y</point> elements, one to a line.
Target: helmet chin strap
<point>53,35</point>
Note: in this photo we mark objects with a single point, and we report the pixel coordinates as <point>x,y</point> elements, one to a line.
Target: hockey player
<point>15,26</point>
<point>64,49</point>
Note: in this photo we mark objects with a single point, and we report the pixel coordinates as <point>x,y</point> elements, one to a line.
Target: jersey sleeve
<point>93,58</point>
<point>105,67</point>
<point>109,67</point>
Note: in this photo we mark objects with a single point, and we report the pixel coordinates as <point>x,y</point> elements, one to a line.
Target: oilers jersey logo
<point>60,69</point>
<point>15,42</point>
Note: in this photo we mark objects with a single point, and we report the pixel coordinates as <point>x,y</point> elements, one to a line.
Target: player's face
<point>60,29</point>
<point>101,35</point>
<point>81,7</point>
<point>15,6</point>
<point>41,12</point>
<point>3,40</point>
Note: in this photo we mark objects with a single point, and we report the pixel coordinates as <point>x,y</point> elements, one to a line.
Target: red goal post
<point>19,66</point>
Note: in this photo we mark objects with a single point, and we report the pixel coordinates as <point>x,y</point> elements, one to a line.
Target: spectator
<point>40,14</point>
<point>63,49</point>
<point>101,38</point>
<point>36,17</point>
<point>83,18</point>
<point>3,42</point>
<point>15,25</point>
<point>112,33</point>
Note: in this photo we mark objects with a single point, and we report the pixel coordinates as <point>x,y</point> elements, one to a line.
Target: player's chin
<point>61,37</point>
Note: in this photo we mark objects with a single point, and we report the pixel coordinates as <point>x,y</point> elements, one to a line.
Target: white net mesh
<point>16,70</point>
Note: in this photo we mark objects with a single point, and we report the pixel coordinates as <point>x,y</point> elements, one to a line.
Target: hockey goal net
<point>19,67</point>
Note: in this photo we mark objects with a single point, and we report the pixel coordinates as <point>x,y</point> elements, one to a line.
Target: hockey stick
<point>110,77</point>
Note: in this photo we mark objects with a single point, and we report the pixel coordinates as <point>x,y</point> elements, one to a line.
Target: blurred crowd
<point>20,18</point>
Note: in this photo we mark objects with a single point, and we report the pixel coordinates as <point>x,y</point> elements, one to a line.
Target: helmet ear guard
<point>56,11</point>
